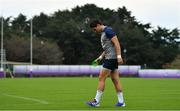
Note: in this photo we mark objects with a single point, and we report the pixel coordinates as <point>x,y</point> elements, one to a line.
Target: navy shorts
<point>111,64</point>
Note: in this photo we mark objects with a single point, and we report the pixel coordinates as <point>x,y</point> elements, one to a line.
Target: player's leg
<point>101,86</point>
<point>102,78</point>
<point>118,87</point>
<point>115,79</point>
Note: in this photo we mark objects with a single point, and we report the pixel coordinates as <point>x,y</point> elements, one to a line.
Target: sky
<point>163,13</point>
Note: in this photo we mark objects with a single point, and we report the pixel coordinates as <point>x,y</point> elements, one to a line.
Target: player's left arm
<point>117,46</point>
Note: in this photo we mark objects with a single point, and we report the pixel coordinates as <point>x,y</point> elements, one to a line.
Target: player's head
<point>96,25</point>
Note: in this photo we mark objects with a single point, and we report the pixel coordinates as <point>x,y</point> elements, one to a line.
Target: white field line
<point>27,98</point>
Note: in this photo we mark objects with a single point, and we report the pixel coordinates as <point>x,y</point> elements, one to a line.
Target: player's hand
<point>120,61</point>
<point>98,60</point>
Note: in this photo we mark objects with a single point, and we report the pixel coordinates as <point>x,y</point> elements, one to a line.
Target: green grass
<point>72,93</point>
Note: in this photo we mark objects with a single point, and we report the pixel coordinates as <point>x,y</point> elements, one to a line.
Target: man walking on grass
<point>112,57</point>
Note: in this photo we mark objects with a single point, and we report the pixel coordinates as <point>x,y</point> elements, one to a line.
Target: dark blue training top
<point>109,32</point>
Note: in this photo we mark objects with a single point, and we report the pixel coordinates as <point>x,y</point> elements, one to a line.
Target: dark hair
<point>94,23</point>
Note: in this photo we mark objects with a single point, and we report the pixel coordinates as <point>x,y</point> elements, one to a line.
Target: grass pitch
<point>72,93</point>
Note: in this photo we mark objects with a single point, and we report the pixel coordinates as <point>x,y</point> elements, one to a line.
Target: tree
<point>175,64</point>
<point>44,52</point>
<point>166,45</point>
<point>20,24</point>
<point>39,24</point>
<point>69,31</point>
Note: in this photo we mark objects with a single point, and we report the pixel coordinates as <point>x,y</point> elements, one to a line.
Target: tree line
<point>64,37</point>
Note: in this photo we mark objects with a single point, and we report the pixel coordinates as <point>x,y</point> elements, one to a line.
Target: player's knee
<point>102,78</point>
<point>115,81</point>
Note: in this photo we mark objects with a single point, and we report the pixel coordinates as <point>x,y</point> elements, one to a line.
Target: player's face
<point>94,29</point>
<point>97,28</point>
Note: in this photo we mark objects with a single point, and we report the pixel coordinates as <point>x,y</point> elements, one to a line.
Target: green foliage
<point>175,64</point>
<point>166,45</point>
<point>44,52</point>
<point>79,45</point>
<point>20,25</point>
